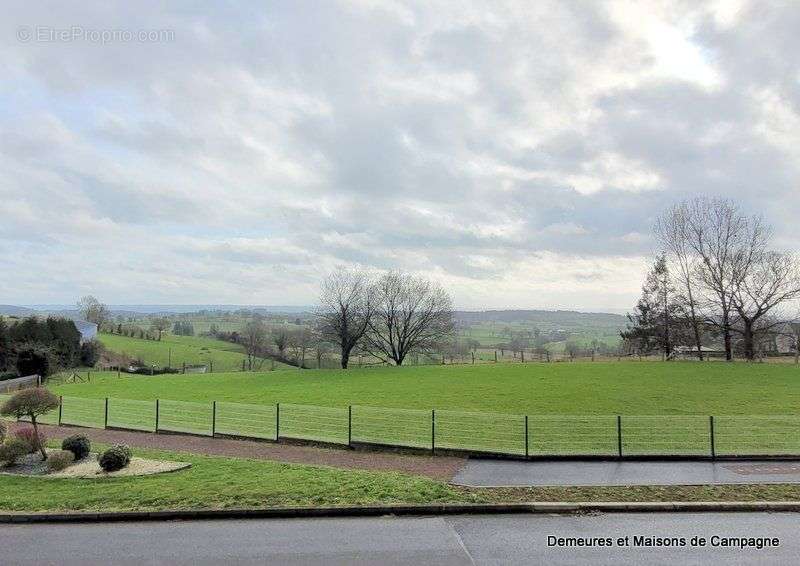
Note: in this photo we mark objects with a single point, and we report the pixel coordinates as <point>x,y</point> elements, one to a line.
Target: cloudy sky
<point>515,151</point>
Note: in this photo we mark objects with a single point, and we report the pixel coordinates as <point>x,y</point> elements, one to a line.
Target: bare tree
<point>300,342</point>
<point>345,310</point>
<point>772,280</point>
<point>727,244</point>
<point>411,313</point>
<point>673,230</point>
<point>93,310</point>
<point>254,339</point>
<point>281,339</point>
<point>160,324</point>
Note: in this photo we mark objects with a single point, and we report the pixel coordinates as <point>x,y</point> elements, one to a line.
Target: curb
<point>405,510</point>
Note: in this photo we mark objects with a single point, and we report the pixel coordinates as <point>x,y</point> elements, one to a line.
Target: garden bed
<point>32,465</point>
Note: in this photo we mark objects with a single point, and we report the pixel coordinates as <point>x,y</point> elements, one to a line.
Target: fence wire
<point>80,411</point>
<point>185,416</point>
<point>674,435</point>
<point>308,422</point>
<point>480,432</point>
<point>251,421</point>
<point>393,427</point>
<point>132,414</point>
<point>498,433</point>
<point>572,435</point>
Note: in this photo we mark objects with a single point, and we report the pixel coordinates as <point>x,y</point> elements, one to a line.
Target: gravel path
<point>438,467</point>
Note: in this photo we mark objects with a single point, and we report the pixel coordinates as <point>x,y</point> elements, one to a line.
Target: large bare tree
<point>727,243</point>
<point>673,230</point>
<point>411,313</point>
<point>345,308</point>
<point>772,280</point>
<point>254,338</point>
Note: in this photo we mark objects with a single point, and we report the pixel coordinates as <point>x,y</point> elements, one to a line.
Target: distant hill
<point>130,310</point>
<point>11,310</point>
<point>543,317</point>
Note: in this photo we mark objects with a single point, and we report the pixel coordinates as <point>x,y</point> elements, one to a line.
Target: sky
<point>515,152</point>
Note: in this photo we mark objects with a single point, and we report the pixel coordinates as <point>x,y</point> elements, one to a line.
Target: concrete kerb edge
<point>405,510</point>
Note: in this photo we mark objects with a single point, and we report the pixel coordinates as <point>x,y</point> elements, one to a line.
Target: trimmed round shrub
<point>12,449</point>
<point>78,444</point>
<point>59,460</point>
<point>115,458</point>
<point>28,436</point>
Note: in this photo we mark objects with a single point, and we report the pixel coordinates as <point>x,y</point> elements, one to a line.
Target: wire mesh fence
<point>495,433</point>
<point>249,421</point>
<point>409,428</point>
<point>132,414</point>
<point>480,432</point>
<point>185,416</point>
<point>572,435</point>
<point>309,422</point>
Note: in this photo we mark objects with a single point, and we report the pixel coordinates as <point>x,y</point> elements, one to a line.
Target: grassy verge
<point>218,483</point>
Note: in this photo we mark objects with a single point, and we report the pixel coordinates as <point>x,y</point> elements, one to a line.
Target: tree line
<point>717,280</point>
<point>43,346</point>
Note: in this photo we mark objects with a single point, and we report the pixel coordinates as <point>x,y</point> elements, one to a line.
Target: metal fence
<point>500,434</point>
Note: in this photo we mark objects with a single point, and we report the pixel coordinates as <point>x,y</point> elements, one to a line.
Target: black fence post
<point>184,367</point>
<point>433,431</point>
<point>242,365</point>
<point>526,436</point>
<point>211,369</point>
<point>619,435</point>
<point>277,421</point>
<point>156,416</point>
<point>105,415</point>
<point>495,356</point>
<point>213,418</point>
<point>711,435</point>
<point>60,405</point>
<point>350,426</point>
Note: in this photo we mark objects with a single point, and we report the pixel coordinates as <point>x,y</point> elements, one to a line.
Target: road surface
<point>497,473</point>
<point>495,539</point>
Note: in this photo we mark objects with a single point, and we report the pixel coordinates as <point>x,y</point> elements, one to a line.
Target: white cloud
<point>517,152</point>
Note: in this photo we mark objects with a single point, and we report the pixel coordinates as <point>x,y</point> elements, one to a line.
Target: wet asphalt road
<point>495,539</point>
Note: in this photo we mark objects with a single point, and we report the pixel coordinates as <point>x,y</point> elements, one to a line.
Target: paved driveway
<point>500,539</point>
<point>486,473</point>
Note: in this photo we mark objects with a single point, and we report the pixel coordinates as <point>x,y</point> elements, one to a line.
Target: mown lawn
<point>177,350</point>
<point>521,409</point>
<point>581,388</point>
<point>217,483</point>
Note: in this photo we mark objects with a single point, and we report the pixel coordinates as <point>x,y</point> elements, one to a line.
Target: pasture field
<point>571,408</point>
<point>175,350</point>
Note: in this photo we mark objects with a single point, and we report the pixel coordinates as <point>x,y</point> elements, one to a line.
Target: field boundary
<point>449,432</point>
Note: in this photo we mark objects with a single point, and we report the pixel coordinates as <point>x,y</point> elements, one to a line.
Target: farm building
<point>87,329</point>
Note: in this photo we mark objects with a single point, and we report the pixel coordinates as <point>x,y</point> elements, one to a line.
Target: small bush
<point>115,458</point>
<point>59,460</point>
<point>3,431</point>
<point>78,445</point>
<point>28,436</point>
<point>12,449</point>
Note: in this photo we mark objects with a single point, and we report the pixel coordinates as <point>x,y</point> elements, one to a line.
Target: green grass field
<point>176,350</point>
<point>571,407</point>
